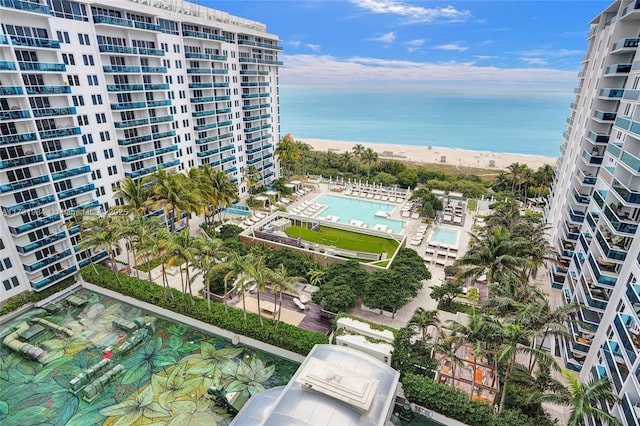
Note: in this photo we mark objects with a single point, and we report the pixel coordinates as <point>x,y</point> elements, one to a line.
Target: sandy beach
<point>432,155</point>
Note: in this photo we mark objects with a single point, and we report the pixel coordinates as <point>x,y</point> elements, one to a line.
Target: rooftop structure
<point>594,211</point>
<point>333,386</point>
<point>94,91</point>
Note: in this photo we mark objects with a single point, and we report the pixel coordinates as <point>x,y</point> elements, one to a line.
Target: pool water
<point>347,208</point>
<point>444,236</point>
<point>163,379</point>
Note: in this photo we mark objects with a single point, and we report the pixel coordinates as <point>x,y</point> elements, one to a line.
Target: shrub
<point>286,336</point>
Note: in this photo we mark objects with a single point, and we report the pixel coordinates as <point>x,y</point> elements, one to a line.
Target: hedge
<point>286,336</point>
<point>455,404</point>
<point>19,300</point>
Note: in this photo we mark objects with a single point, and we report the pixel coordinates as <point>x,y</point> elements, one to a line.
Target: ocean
<point>521,123</point>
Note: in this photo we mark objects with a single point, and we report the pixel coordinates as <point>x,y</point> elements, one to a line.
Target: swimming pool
<point>347,208</point>
<point>445,236</point>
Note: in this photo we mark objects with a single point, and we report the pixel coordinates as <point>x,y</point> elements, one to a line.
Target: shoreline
<point>435,155</point>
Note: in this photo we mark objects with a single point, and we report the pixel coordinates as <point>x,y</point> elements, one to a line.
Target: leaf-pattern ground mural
<point>164,381</point>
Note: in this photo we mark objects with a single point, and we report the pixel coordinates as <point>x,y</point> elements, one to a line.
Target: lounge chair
<point>299,304</point>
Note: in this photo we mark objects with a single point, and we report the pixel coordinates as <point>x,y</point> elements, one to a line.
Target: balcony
<point>581,198</point>
<point>124,87</point>
<point>607,247</point>
<point>10,90</point>
<point>76,191</point>
<point>48,90</point>
<point>26,183</point>
<point>604,116</point>
<point>630,161</point>
<point>156,86</point>
<point>26,6</point>
<point>71,172</point>
<point>66,153</point>
<point>110,20</point>
<point>127,69</point>
<point>206,140</point>
<point>576,215</point>
<point>30,226</point>
<point>161,119</point>
<point>141,172</point>
<point>631,412</point>
<point>585,240</point>
<point>625,45</point>
<point>47,261</point>
<point>86,206</point>
<point>571,231</point>
<point>112,48</point>
<point>154,70</point>
<point>53,112</point>
<point>159,103</point>
<point>42,66</point>
<point>131,123</point>
<point>166,149</point>
<point>205,127</point>
<point>624,324</point>
<point>585,178</point>
<point>593,158</point>
<point>162,135</point>
<point>147,26</point>
<point>50,239</point>
<point>197,55</point>
<point>208,152</point>
<point>200,85</point>
<point>23,161</point>
<point>128,105</point>
<point>597,298</point>
<point>557,281</point>
<point>199,70</point>
<point>134,140</point>
<point>618,370</point>
<point>598,137</point>
<point>171,163</point>
<point>207,113</point>
<point>617,69</point>
<point>54,278</point>
<point>35,42</point>
<point>60,133</point>
<point>137,157</point>
<point>7,66</point>
<point>14,115</point>
<point>611,93</point>
<point>150,52</point>
<point>623,225</point>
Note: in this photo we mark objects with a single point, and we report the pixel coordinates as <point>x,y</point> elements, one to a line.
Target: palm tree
<point>182,250</point>
<point>149,243</point>
<point>537,385</point>
<point>288,153</point>
<point>257,272</point>
<point>480,332</point>
<point>101,231</point>
<point>448,346</point>
<point>233,267</point>
<point>169,192</point>
<point>253,177</point>
<point>544,176</point>
<point>135,194</point>
<point>217,188</point>
<point>369,157</point>
<point>281,282</point>
<point>211,253</point>
<point>316,275</point>
<point>358,150</point>
<point>500,255</point>
<point>305,155</point>
<point>584,398</point>
<point>422,319</point>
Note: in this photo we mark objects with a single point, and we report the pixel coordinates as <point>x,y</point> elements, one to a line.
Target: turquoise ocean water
<point>522,123</point>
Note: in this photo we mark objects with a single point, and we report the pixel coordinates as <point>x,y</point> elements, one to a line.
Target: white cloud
<point>550,52</point>
<point>413,14</point>
<point>385,38</point>
<point>534,61</point>
<point>328,70</point>
<point>483,57</point>
<point>416,43</point>
<point>451,46</point>
<point>295,43</point>
<point>314,47</point>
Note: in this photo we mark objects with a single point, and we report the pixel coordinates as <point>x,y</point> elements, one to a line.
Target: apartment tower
<point>92,92</point>
<point>594,210</point>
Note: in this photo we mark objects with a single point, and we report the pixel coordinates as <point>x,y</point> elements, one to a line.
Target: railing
<point>42,66</point>
<point>150,52</point>
<point>71,172</point>
<point>10,90</point>
<point>131,123</point>
<point>121,68</point>
<point>14,115</point>
<point>26,6</point>
<point>8,187</point>
<point>154,70</point>
<point>48,112</point>
<point>104,19</point>
<point>60,133</point>
<point>47,261</point>
<point>41,243</point>
<point>35,42</point>
<point>66,153</point>
<point>128,105</point>
<point>76,191</point>
<point>53,278</point>
<point>137,157</point>
<point>161,119</point>
<point>17,230</point>
<point>112,48</point>
<point>48,90</point>
<point>23,161</point>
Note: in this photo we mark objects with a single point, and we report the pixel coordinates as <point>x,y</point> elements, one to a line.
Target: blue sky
<point>509,43</point>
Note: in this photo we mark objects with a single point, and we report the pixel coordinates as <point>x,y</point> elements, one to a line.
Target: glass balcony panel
<point>29,226</point>
<point>54,278</point>
<point>23,161</point>
<point>26,183</point>
<point>42,66</point>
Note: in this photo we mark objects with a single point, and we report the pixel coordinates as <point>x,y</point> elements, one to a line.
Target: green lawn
<point>344,239</point>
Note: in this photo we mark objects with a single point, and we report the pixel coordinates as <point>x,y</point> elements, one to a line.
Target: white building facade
<point>92,92</point>
<point>594,210</point>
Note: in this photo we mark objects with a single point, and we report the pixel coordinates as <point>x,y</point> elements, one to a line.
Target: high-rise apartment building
<point>95,91</point>
<point>594,210</point>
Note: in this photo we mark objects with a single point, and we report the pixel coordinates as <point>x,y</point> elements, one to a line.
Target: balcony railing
<point>35,42</point>
<point>620,225</point>
<point>41,243</point>
<point>606,244</point>
<point>112,48</point>
<point>47,261</point>
<point>10,90</point>
<point>48,90</point>
<point>66,153</point>
<point>27,6</point>
<point>22,161</point>
<point>14,115</point>
<point>104,19</point>
<point>128,69</point>
<point>26,183</point>
<point>128,105</point>
<point>131,123</point>
<point>42,66</point>
<point>21,229</point>
<point>630,160</point>
<point>50,112</point>
<point>154,70</point>
<point>53,278</point>
<point>60,133</point>
<point>611,93</point>
<point>161,119</point>
<point>71,172</point>
<point>76,191</point>
<point>134,140</point>
<point>630,343</point>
